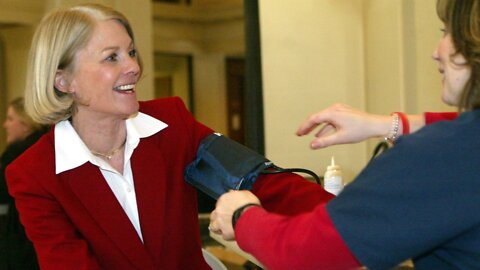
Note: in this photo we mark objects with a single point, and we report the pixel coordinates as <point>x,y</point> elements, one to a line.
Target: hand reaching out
<point>342,124</point>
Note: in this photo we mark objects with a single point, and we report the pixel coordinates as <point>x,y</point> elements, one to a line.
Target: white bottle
<point>332,181</point>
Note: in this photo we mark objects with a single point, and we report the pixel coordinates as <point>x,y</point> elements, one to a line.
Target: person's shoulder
<point>37,155</point>
<point>461,132</point>
<point>161,104</point>
<point>165,109</point>
<point>465,123</point>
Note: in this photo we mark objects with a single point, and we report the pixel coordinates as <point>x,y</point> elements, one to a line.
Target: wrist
<point>393,131</point>
<point>239,211</point>
<point>381,126</point>
<point>404,123</point>
<point>399,126</point>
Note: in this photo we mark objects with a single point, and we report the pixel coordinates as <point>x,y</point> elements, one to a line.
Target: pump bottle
<point>333,181</point>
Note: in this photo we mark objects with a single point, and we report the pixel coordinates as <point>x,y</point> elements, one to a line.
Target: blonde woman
<point>105,188</point>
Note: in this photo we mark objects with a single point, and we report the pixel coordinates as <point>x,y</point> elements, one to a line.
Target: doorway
<point>235,72</point>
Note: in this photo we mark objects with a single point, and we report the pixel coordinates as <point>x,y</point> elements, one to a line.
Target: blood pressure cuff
<point>223,164</point>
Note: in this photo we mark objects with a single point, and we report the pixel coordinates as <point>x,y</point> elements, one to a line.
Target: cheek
<point>87,84</point>
<point>15,130</point>
<point>462,79</point>
<point>455,85</point>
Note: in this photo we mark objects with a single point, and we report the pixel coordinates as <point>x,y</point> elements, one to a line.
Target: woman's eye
<point>112,57</point>
<point>444,31</point>
<point>132,53</point>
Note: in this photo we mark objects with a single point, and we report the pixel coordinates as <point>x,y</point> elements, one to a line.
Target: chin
<point>450,101</point>
<point>131,107</point>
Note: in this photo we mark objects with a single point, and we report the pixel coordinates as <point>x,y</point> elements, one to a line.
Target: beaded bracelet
<point>405,123</point>
<point>237,213</point>
<point>393,132</point>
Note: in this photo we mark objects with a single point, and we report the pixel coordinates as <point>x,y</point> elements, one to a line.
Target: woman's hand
<point>342,124</point>
<point>221,217</point>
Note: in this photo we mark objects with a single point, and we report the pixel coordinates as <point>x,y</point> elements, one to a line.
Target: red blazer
<point>75,221</point>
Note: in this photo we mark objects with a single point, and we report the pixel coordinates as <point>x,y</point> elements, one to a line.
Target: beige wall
<point>400,72</point>
<point>312,56</point>
<point>371,54</point>
<point>17,43</point>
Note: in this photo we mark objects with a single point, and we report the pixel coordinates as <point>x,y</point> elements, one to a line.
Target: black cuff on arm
<point>237,213</point>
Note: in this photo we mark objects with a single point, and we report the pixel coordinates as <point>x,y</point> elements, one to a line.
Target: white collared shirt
<point>71,152</point>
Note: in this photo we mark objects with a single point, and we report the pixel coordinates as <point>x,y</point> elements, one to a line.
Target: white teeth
<point>125,87</point>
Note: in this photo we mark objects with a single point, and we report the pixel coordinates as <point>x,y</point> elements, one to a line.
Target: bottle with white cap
<point>333,181</point>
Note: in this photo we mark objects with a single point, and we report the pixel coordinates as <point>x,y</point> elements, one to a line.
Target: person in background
<point>16,251</point>
<point>105,188</point>
<point>419,200</point>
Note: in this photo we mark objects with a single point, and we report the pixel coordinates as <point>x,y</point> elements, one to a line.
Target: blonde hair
<point>59,36</point>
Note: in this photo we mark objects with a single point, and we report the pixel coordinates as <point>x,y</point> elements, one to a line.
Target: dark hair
<point>462,21</point>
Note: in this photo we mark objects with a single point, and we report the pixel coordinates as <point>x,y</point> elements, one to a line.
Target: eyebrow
<point>114,48</point>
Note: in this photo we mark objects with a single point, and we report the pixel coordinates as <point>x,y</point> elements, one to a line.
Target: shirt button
<point>129,189</point>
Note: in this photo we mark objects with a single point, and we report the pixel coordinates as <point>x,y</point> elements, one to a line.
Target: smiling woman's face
<point>453,68</point>
<point>105,72</point>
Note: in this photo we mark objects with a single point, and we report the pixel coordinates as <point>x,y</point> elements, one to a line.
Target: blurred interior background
<point>254,70</point>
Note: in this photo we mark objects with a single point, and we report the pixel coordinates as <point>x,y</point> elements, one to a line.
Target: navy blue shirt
<point>419,200</point>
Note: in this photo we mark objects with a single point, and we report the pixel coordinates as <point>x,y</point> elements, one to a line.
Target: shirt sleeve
<point>306,241</point>
<point>432,117</point>
<point>289,193</point>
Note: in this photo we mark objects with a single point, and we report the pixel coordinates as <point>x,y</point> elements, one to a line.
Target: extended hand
<point>342,124</point>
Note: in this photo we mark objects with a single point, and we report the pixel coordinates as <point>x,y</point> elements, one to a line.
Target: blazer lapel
<point>147,169</point>
<point>88,184</point>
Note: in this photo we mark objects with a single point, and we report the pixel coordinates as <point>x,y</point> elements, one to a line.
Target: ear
<point>61,81</point>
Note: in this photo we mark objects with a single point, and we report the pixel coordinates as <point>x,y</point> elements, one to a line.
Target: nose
<point>132,66</point>
<point>435,55</point>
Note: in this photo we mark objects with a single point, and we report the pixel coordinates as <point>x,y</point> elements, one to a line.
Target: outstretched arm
<point>342,124</point>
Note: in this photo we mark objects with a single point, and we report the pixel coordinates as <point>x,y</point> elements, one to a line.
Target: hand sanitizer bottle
<point>332,181</point>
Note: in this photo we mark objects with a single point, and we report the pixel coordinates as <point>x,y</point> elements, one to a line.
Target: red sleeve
<point>432,117</point>
<point>306,241</point>
<point>289,194</point>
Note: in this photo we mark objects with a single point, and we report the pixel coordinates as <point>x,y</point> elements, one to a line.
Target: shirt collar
<point>71,152</point>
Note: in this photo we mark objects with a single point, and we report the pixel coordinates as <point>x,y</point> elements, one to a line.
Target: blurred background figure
<point>16,251</point>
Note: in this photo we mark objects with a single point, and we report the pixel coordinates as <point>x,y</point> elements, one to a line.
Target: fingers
<point>342,124</point>
<point>213,227</point>
<point>310,123</point>
<point>326,129</point>
<point>221,217</point>
<point>324,137</point>
<point>326,116</point>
